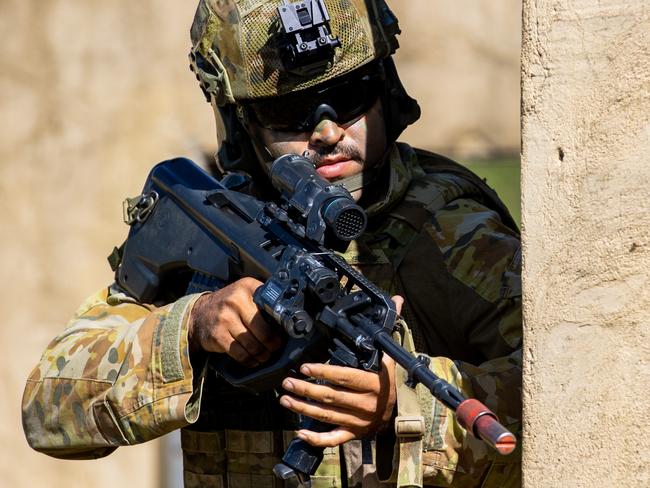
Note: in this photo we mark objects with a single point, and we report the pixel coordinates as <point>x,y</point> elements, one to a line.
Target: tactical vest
<point>240,437</point>
<point>382,252</point>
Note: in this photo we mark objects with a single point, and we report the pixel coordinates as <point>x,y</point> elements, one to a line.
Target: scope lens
<point>350,223</point>
<point>345,218</point>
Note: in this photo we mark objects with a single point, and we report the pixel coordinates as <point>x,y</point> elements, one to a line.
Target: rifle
<point>190,233</point>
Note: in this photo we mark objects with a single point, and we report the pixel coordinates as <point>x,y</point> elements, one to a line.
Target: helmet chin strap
<point>354,182</point>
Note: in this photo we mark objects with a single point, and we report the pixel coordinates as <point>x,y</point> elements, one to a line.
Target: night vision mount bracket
<point>307,39</point>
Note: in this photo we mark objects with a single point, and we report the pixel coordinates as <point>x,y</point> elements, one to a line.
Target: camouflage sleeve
<point>452,456</point>
<point>481,307</point>
<point>119,374</point>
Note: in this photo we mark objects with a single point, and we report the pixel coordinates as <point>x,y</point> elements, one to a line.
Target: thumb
<point>398,301</point>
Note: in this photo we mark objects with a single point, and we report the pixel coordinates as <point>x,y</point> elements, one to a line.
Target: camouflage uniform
<point>120,373</point>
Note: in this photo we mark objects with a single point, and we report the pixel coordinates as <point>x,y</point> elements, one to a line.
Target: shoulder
<point>467,223</point>
<point>477,247</point>
<point>438,179</point>
<point>451,219</point>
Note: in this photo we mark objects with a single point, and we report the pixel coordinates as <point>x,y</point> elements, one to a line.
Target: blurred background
<point>92,94</point>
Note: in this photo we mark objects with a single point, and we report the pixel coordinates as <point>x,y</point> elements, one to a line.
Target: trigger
<point>373,363</point>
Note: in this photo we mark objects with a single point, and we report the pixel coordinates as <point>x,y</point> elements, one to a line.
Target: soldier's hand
<point>359,403</point>
<point>228,321</point>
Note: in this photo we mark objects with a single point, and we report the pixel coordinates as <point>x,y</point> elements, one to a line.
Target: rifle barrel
<point>475,417</point>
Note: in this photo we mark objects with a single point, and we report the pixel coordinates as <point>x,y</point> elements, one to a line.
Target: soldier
<point>314,78</point>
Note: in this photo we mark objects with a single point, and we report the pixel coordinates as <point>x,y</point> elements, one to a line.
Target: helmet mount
<point>306,37</point>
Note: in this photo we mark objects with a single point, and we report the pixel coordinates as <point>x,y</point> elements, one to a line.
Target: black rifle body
<point>193,233</point>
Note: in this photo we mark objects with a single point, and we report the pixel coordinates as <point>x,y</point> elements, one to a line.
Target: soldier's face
<point>337,150</point>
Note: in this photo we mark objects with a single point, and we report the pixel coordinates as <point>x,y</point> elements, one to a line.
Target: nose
<point>326,134</point>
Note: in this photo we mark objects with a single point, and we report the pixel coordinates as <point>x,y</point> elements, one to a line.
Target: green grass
<point>504,176</point>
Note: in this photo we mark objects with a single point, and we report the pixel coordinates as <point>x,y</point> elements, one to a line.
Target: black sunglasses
<point>341,100</point>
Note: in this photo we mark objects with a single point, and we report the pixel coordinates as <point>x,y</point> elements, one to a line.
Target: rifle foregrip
<point>484,424</point>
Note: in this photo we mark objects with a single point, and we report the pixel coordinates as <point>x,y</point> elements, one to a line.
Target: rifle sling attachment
<point>137,209</point>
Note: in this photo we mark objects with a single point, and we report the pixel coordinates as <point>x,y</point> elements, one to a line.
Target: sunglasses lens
<point>354,99</point>
<point>282,113</point>
<point>349,97</point>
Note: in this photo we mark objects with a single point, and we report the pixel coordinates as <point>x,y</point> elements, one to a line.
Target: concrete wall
<point>586,188</point>
<point>93,93</point>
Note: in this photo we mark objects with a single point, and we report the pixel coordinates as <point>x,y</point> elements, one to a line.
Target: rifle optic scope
<point>318,203</point>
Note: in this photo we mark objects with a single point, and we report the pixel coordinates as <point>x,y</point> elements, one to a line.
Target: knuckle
<point>249,284</point>
<point>330,397</point>
<point>265,334</point>
<point>370,409</point>
<point>245,339</point>
<point>327,417</point>
<point>255,351</point>
<point>315,441</point>
<point>235,293</point>
<point>238,353</point>
<point>229,302</point>
<point>263,331</point>
<point>219,339</point>
<point>299,407</point>
<point>243,297</point>
<point>342,380</point>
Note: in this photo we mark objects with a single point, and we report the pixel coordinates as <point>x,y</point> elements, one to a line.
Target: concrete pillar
<point>586,224</point>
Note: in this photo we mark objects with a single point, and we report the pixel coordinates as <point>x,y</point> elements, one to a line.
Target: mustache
<point>348,151</point>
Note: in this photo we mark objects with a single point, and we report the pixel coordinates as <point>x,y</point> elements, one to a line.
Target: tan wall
<point>93,93</point>
<point>586,188</point>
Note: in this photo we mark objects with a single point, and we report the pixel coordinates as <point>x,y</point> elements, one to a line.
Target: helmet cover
<point>237,46</point>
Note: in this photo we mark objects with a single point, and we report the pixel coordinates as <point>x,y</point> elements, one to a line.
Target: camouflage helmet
<point>237,53</point>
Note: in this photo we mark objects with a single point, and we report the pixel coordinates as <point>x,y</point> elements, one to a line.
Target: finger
<point>330,395</point>
<point>249,283</point>
<point>399,302</point>
<point>387,364</point>
<point>330,414</point>
<point>248,341</point>
<point>332,438</point>
<point>352,378</point>
<point>252,319</point>
<point>265,333</point>
<point>387,395</point>
<point>240,300</point>
<point>236,351</point>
